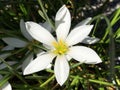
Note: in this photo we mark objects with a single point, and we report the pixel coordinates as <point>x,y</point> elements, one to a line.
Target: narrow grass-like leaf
<point>4,79</point>
<point>23,9</point>
<point>13,71</point>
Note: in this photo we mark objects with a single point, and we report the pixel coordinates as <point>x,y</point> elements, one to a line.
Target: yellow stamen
<point>60,47</point>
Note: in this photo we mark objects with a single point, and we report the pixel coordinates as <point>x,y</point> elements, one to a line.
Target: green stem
<point>46,82</point>
<point>109,28</point>
<point>95,26</point>
<point>43,9</point>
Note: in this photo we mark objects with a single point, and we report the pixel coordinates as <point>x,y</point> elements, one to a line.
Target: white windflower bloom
<point>61,47</point>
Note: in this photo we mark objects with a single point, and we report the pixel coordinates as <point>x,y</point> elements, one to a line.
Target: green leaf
<point>4,79</point>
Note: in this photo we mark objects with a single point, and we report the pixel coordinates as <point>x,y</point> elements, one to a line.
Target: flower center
<point>60,47</point>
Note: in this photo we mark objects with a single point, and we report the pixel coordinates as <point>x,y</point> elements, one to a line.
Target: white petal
<point>15,42</point>
<point>62,22</point>
<point>84,22</point>
<point>5,55</point>
<point>49,66</point>
<point>68,57</point>
<point>39,33</point>
<point>47,46</point>
<point>40,63</point>
<point>30,58</point>
<point>90,40</point>
<point>61,69</point>
<point>118,58</point>
<point>7,48</point>
<point>84,55</point>
<point>6,86</point>
<point>2,66</point>
<point>78,34</point>
<point>24,31</point>
<point>27,61</point>
<point>41,53</point>
<point>47,26</point>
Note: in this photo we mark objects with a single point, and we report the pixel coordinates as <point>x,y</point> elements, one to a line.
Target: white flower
<point>61,47</point>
